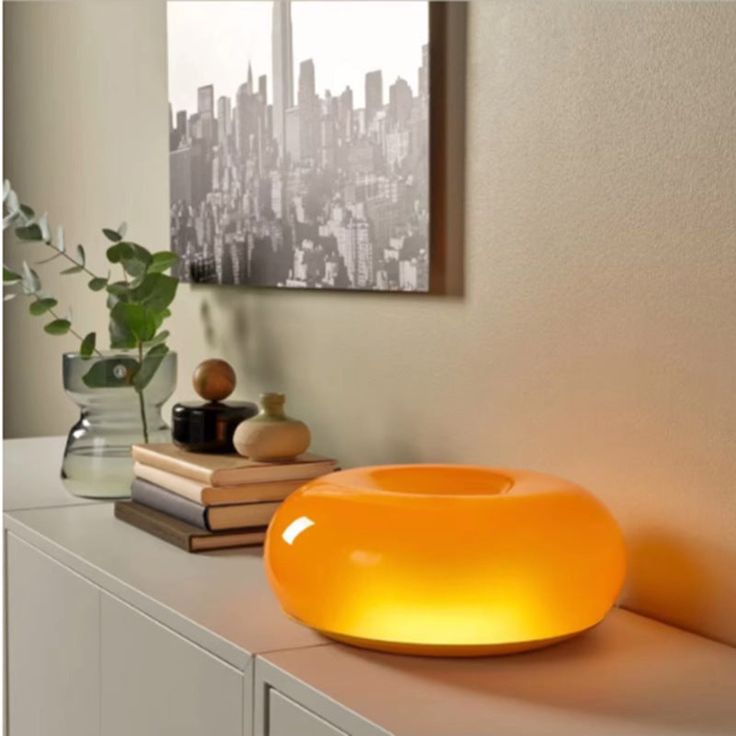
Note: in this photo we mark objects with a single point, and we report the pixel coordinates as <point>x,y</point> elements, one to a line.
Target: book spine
<point>126,511</point>
<point>169,503</point>
<point>185,487</point>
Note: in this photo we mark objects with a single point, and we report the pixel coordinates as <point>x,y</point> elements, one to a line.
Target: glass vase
<point>97,460</point>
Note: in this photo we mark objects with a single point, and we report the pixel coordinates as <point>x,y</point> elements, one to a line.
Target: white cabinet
<point>53,647</point>
<point>83,663</point>
<point>156,683</point>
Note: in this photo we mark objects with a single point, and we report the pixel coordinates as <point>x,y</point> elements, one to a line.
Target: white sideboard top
<point>630,676</point>
<point>32,475</point>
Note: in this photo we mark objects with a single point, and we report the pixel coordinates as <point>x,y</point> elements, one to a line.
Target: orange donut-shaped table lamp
<point>445,560</point>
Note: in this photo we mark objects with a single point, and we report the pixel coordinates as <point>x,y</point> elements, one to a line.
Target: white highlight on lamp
<point>296,528</point>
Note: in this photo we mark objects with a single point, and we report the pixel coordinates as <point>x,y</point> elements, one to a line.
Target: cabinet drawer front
<point>53,646</point>
<point>156,683</point>
<point>287,718</point>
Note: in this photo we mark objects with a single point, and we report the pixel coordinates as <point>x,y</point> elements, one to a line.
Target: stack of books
<point>201,502</point>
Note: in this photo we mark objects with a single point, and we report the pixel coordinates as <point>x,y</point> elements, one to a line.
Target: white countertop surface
<point>32,475</point>
<point>631,676</point>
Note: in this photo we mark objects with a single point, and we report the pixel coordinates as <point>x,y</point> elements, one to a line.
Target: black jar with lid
<point>208,427</point>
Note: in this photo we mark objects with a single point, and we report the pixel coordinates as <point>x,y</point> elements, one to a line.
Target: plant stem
<point>141,403</point>
<point>48,244</point>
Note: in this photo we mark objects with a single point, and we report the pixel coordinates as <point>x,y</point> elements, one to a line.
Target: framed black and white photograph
<point>299,143</point>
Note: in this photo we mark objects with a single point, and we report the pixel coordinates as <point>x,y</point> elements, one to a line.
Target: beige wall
<point>596,337</point>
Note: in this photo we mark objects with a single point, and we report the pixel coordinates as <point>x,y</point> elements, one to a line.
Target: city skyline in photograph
<point>214,41</point>
<point>284,183</point>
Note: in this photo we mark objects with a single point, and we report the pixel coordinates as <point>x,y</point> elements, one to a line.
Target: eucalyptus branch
<point>78,264</point>
<point>79,337</point>
<point>138,304</point>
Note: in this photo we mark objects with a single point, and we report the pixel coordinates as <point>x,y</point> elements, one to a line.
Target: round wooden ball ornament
<point>209,426</point>
<point>271,435</point>
<point>214,379</point>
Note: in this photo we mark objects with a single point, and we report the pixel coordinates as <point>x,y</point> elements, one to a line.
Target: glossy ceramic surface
<point>445,560</point>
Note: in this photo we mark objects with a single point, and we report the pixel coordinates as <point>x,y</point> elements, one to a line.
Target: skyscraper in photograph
<point>345,114</point>
<point>424,72</point>
<point>309,115</point>
<point>400,102</point>
<point>373,93</point>
<point>206,111</point>
<point>224,116</point>
<point>283,69</point>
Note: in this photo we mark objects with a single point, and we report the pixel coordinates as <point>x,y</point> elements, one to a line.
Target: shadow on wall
<point>667,573</point>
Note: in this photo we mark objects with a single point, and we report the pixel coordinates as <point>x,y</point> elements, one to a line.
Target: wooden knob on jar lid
<point>214,379</point>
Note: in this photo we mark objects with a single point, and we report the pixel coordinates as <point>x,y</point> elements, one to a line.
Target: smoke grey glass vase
<point>97,461</point>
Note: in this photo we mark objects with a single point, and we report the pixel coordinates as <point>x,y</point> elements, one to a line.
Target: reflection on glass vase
<point>97,461</point>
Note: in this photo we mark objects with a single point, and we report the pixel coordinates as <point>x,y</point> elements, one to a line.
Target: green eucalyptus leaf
<point>151,363</point>
<point>43,226</point>
<point>87,346</point>
<point>41,306</point>
<point>9,220</point>
<point>59,244</point>
<point>119,288</point>
<point>119,252</point>
<point>97,283</point>
<point>10,277</point>
<point>134,258</point>
<point>156,291</point>
<point>111,301</point>
<point>27,211</point>
<point>131,324</point>
<point>73,269</point>
<point>121,337</point>
<point>11,203</point>
<point>58,327</point>
<point>81,262</point>
<point>162,261</point>
<point>29,232</point>
<point>112,235</point>
<point>115,372</point>
<point>158,339</point>
<point>117,292</point>
<point>31,280</point>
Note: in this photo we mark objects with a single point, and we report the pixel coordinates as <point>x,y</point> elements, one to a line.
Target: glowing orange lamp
<point>445,560</point>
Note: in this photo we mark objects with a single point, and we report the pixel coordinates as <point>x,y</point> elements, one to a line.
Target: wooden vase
<point>271,435</point>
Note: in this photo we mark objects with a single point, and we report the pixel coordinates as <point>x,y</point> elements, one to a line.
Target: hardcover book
<point>231,469</point>
<point>181,534</point>
<point>207,495</point>
<point>215,518</point>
